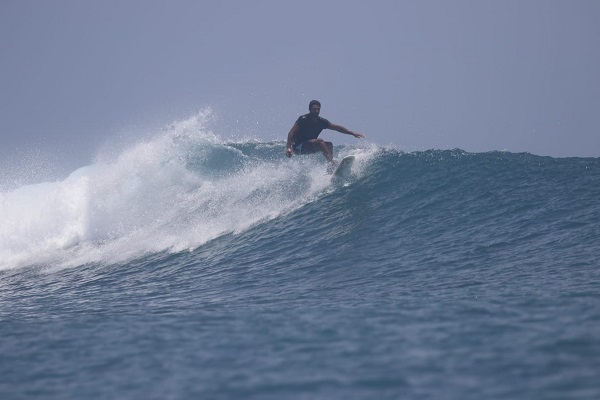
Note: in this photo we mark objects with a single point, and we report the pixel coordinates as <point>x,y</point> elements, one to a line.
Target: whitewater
<point>173,192</point>
<point>186,265</point>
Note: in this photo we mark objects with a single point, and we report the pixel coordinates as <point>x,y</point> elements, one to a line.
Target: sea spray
<point>173,192</point>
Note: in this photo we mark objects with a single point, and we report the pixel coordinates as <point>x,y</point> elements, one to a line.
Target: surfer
<point>303,138</point>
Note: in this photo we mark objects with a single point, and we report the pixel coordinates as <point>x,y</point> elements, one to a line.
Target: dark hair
<point>313,102</point>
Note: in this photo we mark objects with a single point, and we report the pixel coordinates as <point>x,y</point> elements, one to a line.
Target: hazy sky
<point>478,75</point>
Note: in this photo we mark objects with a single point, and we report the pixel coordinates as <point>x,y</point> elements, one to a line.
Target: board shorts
<point>304,148</point>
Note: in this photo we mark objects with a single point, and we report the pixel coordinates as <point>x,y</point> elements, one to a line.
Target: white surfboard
<point>343,170</point>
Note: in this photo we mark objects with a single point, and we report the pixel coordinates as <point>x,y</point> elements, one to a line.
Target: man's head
<point>314,107</point>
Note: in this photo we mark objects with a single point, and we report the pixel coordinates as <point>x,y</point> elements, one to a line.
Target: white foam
<point>150,198</point>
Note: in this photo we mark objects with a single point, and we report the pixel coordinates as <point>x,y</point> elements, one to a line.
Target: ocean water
<point>188,266</point>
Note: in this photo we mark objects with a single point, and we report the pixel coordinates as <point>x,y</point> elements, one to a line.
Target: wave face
<point>172,193</point>
<point>188,266</point>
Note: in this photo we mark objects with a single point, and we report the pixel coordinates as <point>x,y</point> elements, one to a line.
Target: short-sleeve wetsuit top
<point>309,128</point>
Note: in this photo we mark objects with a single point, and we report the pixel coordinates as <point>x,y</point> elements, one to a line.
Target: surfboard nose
<point>343,170</point>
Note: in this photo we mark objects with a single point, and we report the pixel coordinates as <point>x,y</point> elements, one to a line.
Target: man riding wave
<point>303,138</point>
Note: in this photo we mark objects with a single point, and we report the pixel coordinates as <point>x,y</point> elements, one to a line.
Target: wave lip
<point>174,192</point>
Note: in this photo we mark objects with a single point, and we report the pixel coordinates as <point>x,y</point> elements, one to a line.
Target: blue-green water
<point>205,269</point>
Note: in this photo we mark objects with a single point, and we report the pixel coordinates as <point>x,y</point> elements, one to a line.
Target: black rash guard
<point>309,128</point>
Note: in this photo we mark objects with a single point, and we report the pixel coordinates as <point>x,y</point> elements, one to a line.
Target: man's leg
<point>325,147</point>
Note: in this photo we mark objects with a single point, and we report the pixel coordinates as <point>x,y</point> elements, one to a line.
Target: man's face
<point>315,110</point>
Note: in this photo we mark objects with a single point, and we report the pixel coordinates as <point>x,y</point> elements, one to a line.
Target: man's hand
<point>358,135</point>
<point>288,151</point>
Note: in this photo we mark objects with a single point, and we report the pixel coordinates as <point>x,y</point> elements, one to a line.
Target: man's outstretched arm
<point>341,129</point>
